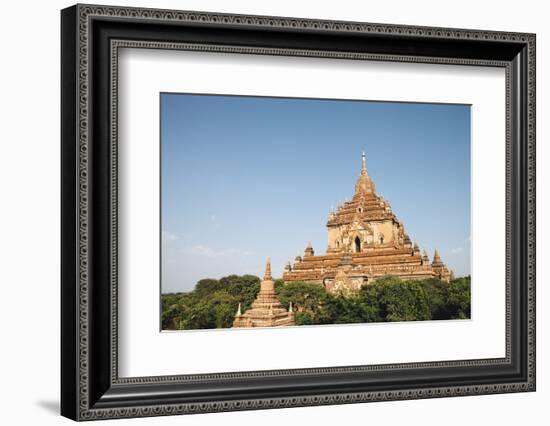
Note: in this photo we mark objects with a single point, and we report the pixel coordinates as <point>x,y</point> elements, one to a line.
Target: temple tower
<point>439,268</point>
<point>366,222</point>
<point>266,310</point>
<point>365,241</point>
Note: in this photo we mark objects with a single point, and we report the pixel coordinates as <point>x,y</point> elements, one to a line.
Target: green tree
<point>213,303</point>
<point>405,302</point>
<point>279,285</point>
<point>459,298</point>
<point>436,294</point>
<point>244,288</point>
<point>207,286</point>
<point>306,298</point>
<point>197,316</point>
<point>349,309</point>
<point>223,307</point>
<point>171,310</point>
<point>397,300</point>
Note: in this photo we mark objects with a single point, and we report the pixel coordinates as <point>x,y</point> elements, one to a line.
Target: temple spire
<point>267,275</point>
<point>363,164</point>
<point>437,260</point>
<point>364,184</point>
<point>425,258</point>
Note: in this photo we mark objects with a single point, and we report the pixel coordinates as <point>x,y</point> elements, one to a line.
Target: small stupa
<point>266,310</point>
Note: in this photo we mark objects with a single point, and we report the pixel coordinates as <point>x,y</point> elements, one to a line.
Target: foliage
<point>459,298</point>
<point>402,301</point>
<point>308,300</point>
<point>213,303</point>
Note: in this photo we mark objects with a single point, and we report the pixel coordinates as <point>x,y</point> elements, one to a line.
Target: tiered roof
<point>365,205</point>
<point>373,263</point>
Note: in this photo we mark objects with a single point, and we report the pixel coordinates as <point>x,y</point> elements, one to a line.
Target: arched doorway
<point>357,245</point>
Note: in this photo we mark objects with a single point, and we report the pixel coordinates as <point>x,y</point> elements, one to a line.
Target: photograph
<point>280,212</point>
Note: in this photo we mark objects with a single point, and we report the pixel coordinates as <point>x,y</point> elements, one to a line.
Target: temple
<point>266,310</point>
<point>365,242</point>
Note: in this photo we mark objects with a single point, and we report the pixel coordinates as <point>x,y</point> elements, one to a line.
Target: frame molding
<point>91,37</point>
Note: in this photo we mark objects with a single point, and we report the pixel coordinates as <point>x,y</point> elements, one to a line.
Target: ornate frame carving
<point>91,37</point>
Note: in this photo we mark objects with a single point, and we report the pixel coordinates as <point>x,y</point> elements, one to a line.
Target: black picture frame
<point>90,386</point>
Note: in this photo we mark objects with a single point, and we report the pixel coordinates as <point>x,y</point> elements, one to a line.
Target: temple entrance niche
<point>357,245</point>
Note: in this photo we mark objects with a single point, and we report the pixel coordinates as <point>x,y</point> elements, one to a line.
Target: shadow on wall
<point>50,406</point>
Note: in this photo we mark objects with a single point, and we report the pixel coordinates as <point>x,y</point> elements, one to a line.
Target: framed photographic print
<point>263,212</point>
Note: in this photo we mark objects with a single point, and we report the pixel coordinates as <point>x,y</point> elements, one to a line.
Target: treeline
<point>213,303</point>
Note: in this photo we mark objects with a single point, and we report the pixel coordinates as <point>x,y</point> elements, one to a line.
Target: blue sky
<point>244,178</point>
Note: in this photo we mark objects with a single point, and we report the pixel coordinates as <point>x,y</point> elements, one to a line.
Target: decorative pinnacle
<point>290,308</point>
<point>267,275</point>
<point>437,259</point>
<point>309,250</point>
<point>363,164</point>
<point>239,313</point>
